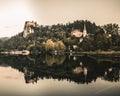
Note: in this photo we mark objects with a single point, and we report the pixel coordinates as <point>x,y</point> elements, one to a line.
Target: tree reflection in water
<point>61,67</point>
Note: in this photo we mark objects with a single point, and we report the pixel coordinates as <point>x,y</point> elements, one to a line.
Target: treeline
<point>58,37</point>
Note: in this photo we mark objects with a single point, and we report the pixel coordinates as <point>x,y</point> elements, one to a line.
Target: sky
<point>14,13</point>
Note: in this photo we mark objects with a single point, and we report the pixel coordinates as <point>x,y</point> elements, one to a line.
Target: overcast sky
<point>47,12</point>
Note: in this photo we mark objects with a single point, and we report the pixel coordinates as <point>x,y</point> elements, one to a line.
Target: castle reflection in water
<point>78,69</point>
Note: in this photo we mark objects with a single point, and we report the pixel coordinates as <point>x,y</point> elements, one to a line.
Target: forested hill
<point>59,37</point>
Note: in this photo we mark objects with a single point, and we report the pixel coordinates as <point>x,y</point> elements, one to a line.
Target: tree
<point>112,29</point>
<point>87,44</point>
<point>103,42</point>
<point>59,45</point>
<point>49,45</point>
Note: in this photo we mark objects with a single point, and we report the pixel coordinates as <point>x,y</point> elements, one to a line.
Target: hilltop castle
<point>28,28</point>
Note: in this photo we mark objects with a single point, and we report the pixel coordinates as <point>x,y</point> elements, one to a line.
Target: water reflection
<point>50,60</point>
<point>78,69</point>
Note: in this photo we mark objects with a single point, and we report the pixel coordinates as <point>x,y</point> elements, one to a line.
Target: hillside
<point>59,37</point>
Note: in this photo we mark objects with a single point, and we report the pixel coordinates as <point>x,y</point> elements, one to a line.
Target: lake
<point>58,75</point>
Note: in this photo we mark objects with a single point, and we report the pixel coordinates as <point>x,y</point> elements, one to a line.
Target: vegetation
<point>58,37</point>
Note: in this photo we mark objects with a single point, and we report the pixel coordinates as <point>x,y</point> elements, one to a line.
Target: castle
<point>28,28</point>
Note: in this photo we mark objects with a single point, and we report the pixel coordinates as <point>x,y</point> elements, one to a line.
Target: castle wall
<point>28,28</point>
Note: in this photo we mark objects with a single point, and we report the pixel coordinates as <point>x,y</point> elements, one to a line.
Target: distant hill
<point>4,38</point>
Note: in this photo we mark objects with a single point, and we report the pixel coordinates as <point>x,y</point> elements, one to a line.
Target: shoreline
<point>97,53</point>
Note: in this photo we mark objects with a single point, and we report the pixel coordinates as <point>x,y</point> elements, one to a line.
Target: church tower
<point>84,30</point>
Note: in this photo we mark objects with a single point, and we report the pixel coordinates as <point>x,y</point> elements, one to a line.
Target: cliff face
<point>28,28</point>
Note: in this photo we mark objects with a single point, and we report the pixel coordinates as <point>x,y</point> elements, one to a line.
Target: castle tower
<point>84,30</point>
<point>28,28</point>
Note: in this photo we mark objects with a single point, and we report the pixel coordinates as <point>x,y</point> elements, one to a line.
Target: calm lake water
<point>59,76</point>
